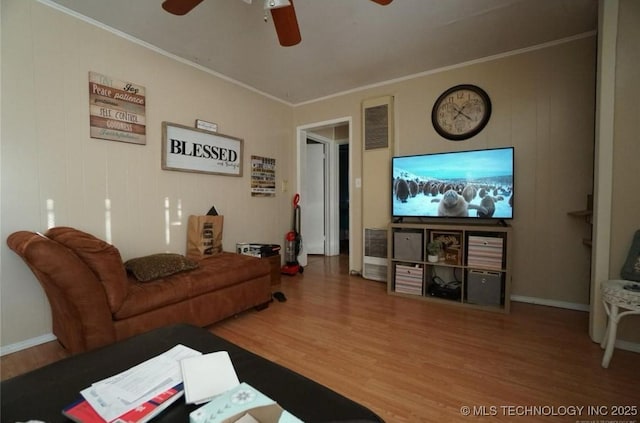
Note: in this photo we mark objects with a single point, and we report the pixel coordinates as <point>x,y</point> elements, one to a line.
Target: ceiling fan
<point>282,12</point>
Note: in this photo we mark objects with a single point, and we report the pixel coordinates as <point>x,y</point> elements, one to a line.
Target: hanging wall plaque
<point>195,150</point>
<point>116,110</point>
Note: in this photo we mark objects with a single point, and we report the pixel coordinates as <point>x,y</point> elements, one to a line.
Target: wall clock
<point>461,112</point>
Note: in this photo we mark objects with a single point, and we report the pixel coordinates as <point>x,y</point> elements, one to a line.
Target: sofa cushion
<point>102,258</point>
<point>226,269</point>
<point>213,273</point>
<point>160,265</point>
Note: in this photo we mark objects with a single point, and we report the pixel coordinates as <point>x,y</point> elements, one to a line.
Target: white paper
<point>125,391</point>
<point>207,375</point>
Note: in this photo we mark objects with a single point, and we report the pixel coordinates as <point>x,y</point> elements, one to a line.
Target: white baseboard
<point>628,346</point>
<point>550,303</point>
<point>27,343</point>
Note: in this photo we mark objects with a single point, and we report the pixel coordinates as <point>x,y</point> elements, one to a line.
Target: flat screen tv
<point>461,184</point>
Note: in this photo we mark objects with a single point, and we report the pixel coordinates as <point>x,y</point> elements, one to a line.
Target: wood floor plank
<point>414,361</point>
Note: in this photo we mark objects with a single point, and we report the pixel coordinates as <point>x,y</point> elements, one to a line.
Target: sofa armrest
<point>81,315</point>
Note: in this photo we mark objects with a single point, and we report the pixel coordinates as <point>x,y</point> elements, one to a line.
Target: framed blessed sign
<point>195,150</point>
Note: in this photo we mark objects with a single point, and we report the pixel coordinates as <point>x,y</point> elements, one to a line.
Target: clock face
<point>461,112</point>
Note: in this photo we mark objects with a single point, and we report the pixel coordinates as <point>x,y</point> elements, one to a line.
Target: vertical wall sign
<point>116,110</point>
<point>263,177</point>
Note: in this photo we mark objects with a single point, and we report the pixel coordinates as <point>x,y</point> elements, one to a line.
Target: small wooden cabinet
<point>275,263</point>
<point>472,269</point>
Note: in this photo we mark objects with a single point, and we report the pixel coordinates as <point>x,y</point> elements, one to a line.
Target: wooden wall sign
<point>195,150</point>
<point>116,110</point>
<point>263,177</point>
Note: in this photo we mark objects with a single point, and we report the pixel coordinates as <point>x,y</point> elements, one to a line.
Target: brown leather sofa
<point>95,301</point>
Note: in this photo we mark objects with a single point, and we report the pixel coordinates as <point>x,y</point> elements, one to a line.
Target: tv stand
<point>502,222</point>
<point>473,269</point>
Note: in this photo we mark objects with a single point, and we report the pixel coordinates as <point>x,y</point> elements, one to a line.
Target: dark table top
<point>42,393</point>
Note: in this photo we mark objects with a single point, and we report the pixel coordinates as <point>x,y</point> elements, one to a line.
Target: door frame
<point>332,218</point>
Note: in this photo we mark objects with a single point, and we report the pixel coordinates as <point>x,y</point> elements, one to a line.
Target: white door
<point>313,221</point>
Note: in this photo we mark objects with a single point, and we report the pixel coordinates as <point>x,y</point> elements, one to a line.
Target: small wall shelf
<point>581,213</point>
<point>587,214</point>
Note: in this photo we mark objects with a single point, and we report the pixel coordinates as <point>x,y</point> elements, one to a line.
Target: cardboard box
<point>258,250</point>
<point>236,403</point>
<point>243,248</point>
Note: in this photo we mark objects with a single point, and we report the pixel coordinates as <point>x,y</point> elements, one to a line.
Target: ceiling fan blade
<point>286,23</point>
<point>180,7</point>
<point>382,2</point>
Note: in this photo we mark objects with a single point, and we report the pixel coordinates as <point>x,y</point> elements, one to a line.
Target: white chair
<point>621,293</point>
<point>617,294</point>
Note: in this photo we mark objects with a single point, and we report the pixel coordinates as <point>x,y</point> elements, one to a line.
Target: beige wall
<point>49,158</point>
<point>625,204</point>
<point>543,105</point>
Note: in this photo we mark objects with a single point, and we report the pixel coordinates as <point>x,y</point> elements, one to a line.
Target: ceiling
<point>346,44</point>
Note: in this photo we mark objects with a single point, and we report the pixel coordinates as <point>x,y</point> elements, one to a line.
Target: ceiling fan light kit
<point>276,4</point>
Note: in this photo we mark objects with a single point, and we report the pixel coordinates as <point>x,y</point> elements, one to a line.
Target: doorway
<point>315,198</point>
<point>343,197</point>
<point>335,216</point>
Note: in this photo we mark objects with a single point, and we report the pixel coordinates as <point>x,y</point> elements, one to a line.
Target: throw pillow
<point>157,266</point>
<point>631,268</point>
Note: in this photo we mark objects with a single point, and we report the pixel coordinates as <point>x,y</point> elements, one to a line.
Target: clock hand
<point>455,109</point>
<point>460,113</point>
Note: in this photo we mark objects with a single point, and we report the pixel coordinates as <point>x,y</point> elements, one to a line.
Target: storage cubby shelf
<point>473,269</point>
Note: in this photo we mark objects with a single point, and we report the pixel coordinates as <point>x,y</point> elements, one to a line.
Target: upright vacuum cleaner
<point>293,243</point>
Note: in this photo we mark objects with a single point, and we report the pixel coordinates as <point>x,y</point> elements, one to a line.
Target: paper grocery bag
<point>204,236</point>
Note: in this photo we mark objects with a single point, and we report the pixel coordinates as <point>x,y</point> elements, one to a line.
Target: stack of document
<point>135,395</point>
<point>142,392</point>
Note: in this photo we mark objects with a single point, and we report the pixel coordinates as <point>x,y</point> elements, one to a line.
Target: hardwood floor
<point>413,361</point>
